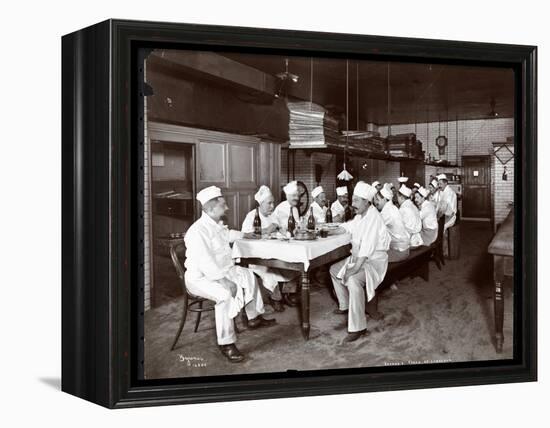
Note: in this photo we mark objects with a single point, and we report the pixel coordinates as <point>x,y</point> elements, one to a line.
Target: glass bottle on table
<point>328,215</point>
<point>257,224</point>
<point>311,220</point>
<point>291,223</point>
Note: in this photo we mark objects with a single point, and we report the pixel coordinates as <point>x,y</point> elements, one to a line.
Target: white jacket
<point>429,223</point>
<point>400,237</point>
<point>369,238</point>
<point>411,219</point>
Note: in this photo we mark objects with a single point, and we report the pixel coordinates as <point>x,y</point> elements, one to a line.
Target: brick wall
<point>305,171</point>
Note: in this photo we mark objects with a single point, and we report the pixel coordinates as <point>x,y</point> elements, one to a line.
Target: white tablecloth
<point>289,251</point>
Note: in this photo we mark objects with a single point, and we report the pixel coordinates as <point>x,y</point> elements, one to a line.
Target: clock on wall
<point>441,142</point>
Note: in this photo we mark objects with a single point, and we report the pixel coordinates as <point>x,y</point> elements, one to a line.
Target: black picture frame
<point>101,256</point>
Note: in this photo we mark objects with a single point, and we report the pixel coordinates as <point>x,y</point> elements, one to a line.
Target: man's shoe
<point>231,353</point>
<point>339,311</point>
<point>352,337</point>
<point>259,322</point>
<point>290,299</point>
<point>277,305</point>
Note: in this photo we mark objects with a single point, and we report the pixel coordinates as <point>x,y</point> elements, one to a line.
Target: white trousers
<point>351,296</point>
<point>227,305</point>
<point>271,277</point>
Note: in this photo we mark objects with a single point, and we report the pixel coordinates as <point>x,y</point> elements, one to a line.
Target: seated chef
<point>414,189</point>
<point>410,215</point>
<point>271,277</point>
<point>377,185</point>
<point>338,207</point>
<point>211,273</point>
<point>366,267</point>
<point>282,211</point>
<point>400,237</point>
<point>427,215</point>
<point>319,204</point>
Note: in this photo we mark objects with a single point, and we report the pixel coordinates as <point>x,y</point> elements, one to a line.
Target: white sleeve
<point>248,223</point>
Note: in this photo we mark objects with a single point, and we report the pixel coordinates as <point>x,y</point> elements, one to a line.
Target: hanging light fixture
<point>345,175</point>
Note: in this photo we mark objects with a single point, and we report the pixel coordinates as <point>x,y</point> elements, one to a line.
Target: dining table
<point>301,256</point>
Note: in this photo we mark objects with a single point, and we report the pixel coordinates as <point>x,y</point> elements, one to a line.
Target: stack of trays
<point>404,145</point>
<point>311,125</point>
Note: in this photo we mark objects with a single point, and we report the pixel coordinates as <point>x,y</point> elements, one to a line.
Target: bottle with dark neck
<point>328,215</point>
<point>257,223</point>
<point>291,223</point>
<point>347,213</point>
<point>311,220</point>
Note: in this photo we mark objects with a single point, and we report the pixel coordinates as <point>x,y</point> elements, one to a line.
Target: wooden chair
<point>191,303</point>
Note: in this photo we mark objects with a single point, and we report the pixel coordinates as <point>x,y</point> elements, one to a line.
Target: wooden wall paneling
<point>243,165</point>
<point>212,164</point>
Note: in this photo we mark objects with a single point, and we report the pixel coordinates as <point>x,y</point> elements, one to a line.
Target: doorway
<point>476,203</point>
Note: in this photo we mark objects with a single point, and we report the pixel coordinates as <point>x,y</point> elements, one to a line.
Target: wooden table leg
<point>498,275</point>
<point>304,304</point>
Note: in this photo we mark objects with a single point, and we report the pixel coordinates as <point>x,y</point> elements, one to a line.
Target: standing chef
<point>428,217</point>
<point>447,201</point>
<point>271,277</point>
<point>211,273</point>
<point>366,267</point>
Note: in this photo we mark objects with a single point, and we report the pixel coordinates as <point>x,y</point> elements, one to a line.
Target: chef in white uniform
<point>410,215</point>
<point>377,185</point>
<point>447,201</point>
<point>435,195</point>
<point>366,267</point>
<point>400,237</point>
<point>211,272</point>
<point>338,207</point>
<point>270,277</point>
<point>319,204</point>
<point>282,210</point>
<point>428,216</point>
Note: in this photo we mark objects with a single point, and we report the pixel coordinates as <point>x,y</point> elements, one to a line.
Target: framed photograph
<point>253,213</point>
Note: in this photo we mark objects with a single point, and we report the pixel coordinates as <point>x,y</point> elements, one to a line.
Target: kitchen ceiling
<point>418,92</point>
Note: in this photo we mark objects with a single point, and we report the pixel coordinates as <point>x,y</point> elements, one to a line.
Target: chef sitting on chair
<point>366,267</point>
<point>211,273</point>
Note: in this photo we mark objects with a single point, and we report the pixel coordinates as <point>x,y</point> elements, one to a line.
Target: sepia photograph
<point>315,213</point>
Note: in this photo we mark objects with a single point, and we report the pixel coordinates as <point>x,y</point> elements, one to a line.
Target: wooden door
<point>476,198</point>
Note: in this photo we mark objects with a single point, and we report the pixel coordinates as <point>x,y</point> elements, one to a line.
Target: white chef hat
<point>417,185</point>
<point>340,191</point>
<point>386,193</point>
<point>208,193</point>
<point>375,183</point>
<point>389,186</point>
<point>424,192</point>
<point>442,177</point>
<point>402,179</point>
<point>405,191</point>
<point>362,190</point>
<point>434,183</point>
<point>262,194</point>
<point>317,191</point>
<point>291,188</point>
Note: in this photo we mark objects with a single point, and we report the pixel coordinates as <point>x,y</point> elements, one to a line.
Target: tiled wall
<point>503,190</point>
<point>465,137</point>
